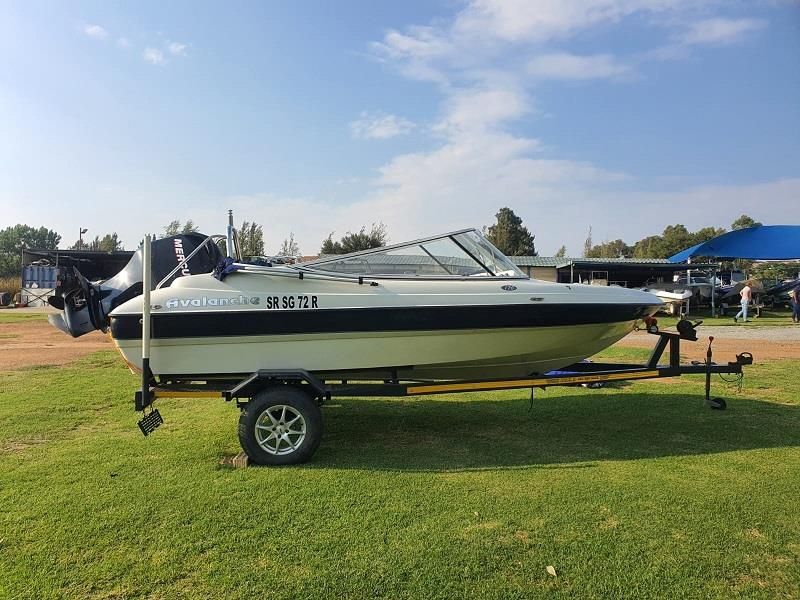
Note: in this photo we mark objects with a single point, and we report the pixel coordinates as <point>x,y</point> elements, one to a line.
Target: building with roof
<point>93,264</point>
<point>627,272</point>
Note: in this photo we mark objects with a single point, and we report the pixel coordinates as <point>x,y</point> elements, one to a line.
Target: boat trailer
<point>281,420</point>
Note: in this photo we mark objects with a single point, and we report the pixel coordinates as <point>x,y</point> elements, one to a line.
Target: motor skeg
<point>85,305</point>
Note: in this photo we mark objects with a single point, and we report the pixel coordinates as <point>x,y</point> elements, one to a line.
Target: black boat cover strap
<point>224,268</point>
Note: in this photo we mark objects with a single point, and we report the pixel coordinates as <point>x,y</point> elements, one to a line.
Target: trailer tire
<point>280,426</point>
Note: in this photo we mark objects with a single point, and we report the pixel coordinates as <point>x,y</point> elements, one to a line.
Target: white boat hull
<point>400,328</point>
<point>408,355</point>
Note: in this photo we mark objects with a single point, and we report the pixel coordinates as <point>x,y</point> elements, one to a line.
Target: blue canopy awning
<point>765,242</point>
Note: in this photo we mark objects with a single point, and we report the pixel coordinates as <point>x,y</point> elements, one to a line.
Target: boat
<point>447,307</point>
<point>732,292</point>
<point>700,288</point>
<point>780,293</point>
<point>673,300</point>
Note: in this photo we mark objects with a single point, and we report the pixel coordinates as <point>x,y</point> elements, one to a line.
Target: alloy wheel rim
<point>280,430</point>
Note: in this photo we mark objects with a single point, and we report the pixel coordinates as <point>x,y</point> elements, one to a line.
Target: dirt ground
<point>37,343</point>
<point>764,343</point>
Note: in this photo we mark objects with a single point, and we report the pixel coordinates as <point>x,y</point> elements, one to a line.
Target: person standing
<point>794,296</point>
<point>745,293</point>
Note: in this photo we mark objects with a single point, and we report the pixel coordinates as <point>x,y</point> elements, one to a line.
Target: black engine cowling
<point>86,304</point>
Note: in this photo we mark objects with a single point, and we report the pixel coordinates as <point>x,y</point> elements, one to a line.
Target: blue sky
<point>313,117</point>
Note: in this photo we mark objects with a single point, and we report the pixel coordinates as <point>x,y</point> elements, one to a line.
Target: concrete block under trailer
<point>281,420</point>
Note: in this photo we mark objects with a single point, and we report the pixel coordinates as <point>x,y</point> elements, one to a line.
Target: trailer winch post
<point>146,320</point>
<point>151,420</point>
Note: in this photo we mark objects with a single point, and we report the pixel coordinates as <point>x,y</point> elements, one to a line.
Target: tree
<point>561,252</point>
<point>775,270</point>
<point>330,247</point>
<point>707,233</point>
<point>109,243</point>
<point>510,236</point>
<point>376,237</point>
<point>744,222</point>
<point>703,235</point>
<point>14,239</point>
<point>647,247</point>
<point>80,244</point>
<point>587,243</point>
<point>175,228</point>
<point>251,239</point>
<point>289,247</point>
<point>674,239</point>
<point>615,249</point>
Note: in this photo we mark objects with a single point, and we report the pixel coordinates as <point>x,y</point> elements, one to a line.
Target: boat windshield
<point>460,254</point>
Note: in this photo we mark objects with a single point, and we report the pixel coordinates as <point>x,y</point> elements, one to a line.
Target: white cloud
<point>482,108</point>
<point>414,51</point>
<point>720,31</point>
<point>419,42</point>
<point>546,20</point>
<point>698,206</point>
<point>154,56</point>
<point>488,29</point>
<point>563,65</point>
<point>420,194</point>
<point>517,20</point>
<point>708,32</point>
<point>380,126</point>
<point>478,60</point>
<point>95,31</point>
<point>469,177</point>
<point>557,213</point>
<point>479,165</point>
<point>481,63</point>
<point>177,48</point>
<point>123,42</point>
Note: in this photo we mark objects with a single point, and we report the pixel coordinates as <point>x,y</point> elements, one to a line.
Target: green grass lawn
<point>637,491</point>
<point>12,316</point>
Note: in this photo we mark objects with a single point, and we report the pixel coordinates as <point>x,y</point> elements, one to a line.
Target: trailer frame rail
<point>242,389</point>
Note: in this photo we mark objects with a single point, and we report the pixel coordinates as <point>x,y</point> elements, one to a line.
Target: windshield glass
<point>494,260</point>
<point>465,254</point>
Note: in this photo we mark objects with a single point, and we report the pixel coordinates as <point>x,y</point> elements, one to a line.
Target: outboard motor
<point>86,305</point>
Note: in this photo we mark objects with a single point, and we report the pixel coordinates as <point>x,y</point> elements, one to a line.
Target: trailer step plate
<point>150,422</point>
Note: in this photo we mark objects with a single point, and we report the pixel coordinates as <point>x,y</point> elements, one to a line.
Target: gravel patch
<point>787,333</point>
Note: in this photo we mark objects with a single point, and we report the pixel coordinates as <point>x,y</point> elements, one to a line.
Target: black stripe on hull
<point>344,320</point>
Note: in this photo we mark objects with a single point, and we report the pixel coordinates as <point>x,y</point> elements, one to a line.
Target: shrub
<point>10,284</point>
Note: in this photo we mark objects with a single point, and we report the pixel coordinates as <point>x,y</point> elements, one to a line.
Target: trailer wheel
<point>280,426</point>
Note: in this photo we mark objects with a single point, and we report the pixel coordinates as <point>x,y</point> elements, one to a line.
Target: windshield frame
<point>318,266</point>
